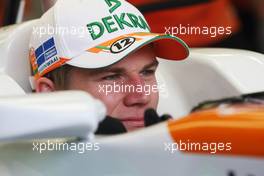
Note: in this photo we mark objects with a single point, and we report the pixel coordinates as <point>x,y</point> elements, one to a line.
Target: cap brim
<point>166,47</point>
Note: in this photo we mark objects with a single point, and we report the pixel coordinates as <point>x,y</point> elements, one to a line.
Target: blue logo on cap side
<point>45,51</point>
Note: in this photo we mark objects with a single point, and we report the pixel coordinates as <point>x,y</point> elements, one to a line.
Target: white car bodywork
<point>206,75</point>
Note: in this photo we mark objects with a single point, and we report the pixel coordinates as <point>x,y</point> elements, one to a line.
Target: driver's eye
<point>148,72</point>
<point>112,77</point>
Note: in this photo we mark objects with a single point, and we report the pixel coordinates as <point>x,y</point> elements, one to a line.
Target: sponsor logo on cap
<point>116,22</point>
<point>46,55</point>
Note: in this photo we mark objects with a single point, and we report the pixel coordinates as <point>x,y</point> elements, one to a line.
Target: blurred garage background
<point>246,18</point>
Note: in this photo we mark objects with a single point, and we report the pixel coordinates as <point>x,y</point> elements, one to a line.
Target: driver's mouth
<point>132,123</point>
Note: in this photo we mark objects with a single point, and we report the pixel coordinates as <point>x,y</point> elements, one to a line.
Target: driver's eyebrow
<point>155,63</point>
<point>107,70</point>
<point>120,70</point>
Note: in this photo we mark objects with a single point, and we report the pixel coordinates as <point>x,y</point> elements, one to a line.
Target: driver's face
<point>124,87</point>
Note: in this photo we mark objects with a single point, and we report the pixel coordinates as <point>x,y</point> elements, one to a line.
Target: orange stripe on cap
<point>52,67</point>
<point>96,49</point>
<point>242,131</point>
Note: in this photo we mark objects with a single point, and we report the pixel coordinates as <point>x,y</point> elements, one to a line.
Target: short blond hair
<point>60,76</point>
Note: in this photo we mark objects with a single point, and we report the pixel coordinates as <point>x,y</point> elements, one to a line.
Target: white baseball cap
<point>94,34</point>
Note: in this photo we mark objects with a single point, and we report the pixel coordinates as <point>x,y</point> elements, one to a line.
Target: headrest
<point>14,62</point>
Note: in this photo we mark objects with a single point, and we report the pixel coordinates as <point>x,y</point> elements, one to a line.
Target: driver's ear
<point>44,85</point>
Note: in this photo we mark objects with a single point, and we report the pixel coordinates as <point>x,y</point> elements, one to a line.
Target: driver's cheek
<point>113,102</point>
